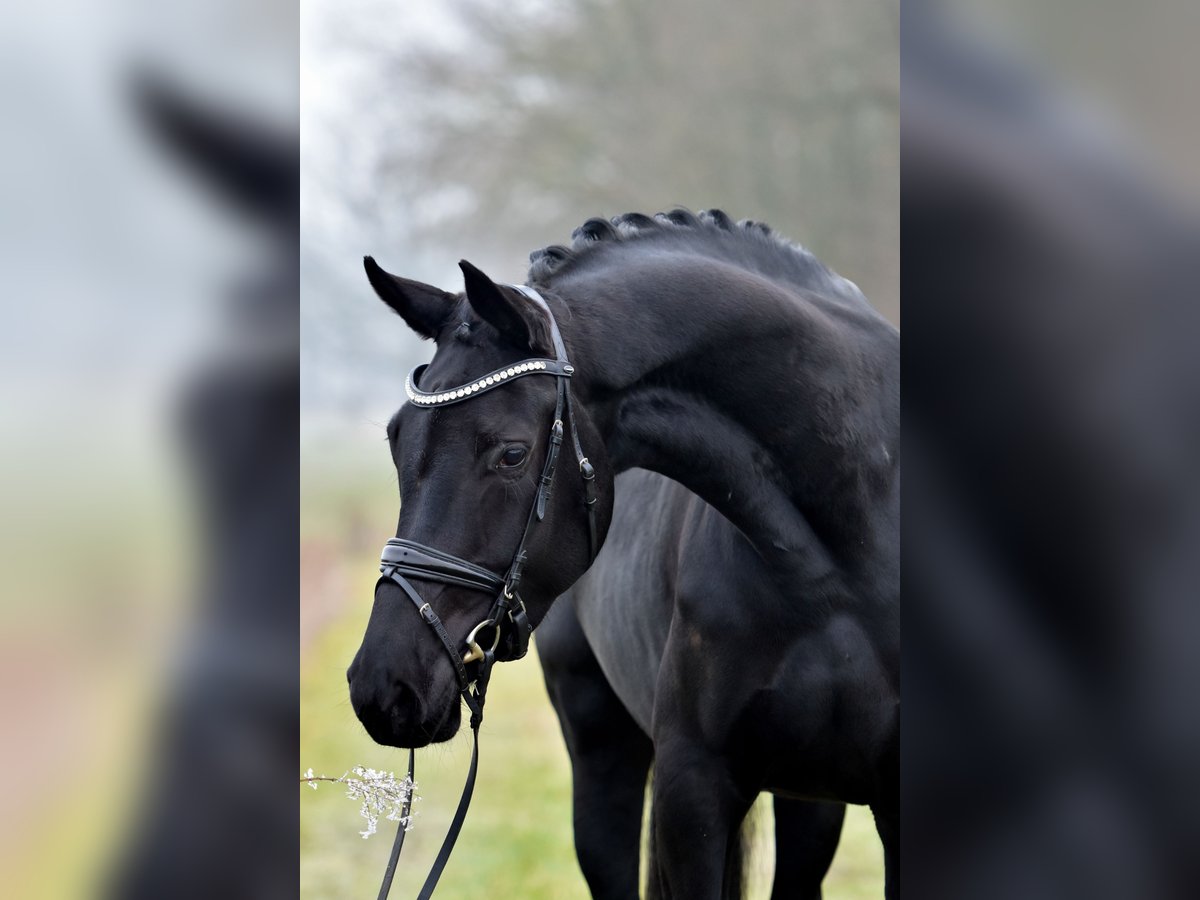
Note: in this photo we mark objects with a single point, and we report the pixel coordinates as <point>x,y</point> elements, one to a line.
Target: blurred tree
<point>534,116</point>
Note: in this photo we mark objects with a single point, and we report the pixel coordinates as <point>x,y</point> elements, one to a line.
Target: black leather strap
<point>473,693</point>
<point>546,482</point>
<point>419,561</point>
<point>401,831</point>
<point>475,703</point>
<point>474,696</point>
<point>460,816</point>
<point>456,825</point>
<point>432,620</point>
<point>587,472</point>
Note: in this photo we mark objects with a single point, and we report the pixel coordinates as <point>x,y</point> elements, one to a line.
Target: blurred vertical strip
<point>215,818</point>
<point>1052,404</point>
<point>150,390</point>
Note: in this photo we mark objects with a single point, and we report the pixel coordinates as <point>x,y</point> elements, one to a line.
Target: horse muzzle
<point>393,714</point>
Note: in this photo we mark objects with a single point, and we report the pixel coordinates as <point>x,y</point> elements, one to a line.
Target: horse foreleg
<point>697,812</point>
<point>806,838</point>
<point>610,758</point>
<point>887,823</point>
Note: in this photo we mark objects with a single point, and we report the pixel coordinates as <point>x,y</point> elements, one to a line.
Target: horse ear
<point>424,307</point>
<point>508,311</point>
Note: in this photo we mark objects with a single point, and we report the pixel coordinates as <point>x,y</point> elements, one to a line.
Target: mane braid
<point>748,243</point>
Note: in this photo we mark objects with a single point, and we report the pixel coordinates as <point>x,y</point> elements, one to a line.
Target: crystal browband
<point>484,383</point>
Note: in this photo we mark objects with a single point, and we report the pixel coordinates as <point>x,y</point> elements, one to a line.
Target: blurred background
<point>433,131</point>
<point>149,300</point>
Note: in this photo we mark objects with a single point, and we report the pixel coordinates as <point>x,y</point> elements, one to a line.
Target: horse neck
<point>779,409</point>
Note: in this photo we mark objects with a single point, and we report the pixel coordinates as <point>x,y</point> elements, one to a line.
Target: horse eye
<point>513,456</point>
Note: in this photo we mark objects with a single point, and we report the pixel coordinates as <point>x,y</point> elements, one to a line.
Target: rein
<point>403,559</point>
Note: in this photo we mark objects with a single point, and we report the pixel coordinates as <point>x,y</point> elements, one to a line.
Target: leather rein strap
<point>403,559</point>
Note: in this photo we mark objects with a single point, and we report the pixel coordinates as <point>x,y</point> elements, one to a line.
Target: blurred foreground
<point>148,377</point>
<point>1052,424</point>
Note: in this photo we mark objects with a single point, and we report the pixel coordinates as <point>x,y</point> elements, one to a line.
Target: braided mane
<point>748,243</point>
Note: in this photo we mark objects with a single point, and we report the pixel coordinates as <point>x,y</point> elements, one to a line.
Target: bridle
<point>403,559</point>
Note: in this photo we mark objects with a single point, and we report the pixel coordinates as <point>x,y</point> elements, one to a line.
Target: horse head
<point>493,524</point>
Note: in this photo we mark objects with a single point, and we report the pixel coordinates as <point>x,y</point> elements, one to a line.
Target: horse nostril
<point>404,700</point>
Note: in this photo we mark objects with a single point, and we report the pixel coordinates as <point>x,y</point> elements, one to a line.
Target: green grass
<point>517,841</point>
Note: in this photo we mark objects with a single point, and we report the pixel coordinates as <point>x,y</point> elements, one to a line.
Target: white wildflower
<point>380,793</point>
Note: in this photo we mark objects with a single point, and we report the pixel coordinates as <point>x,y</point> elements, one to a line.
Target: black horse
<point>601,648</point>
<point>741,367</point>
